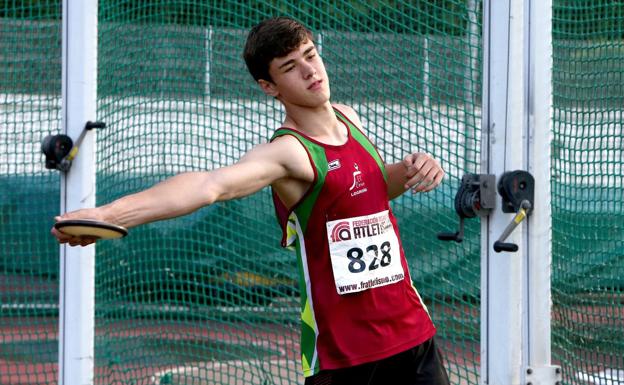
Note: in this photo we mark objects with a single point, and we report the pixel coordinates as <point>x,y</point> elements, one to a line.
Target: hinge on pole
<point>543,375</point>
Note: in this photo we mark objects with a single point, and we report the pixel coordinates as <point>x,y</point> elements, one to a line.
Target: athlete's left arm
<point>418,171</point>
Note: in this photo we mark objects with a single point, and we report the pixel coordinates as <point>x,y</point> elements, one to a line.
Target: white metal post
<point>77,264</point>
<point>504,133</point>
<point>540,224</point>
<point>515,293</point>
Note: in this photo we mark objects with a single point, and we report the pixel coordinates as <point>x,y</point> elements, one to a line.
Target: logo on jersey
<point>333,165</point>
<point>358,186</point>
<point>361,228</point>
<point>341,232</point>
<point>371,226</point>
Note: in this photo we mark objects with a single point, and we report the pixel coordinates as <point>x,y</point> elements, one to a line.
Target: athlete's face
<point>299,77</point>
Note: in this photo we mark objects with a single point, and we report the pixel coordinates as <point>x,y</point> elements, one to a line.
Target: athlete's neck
<point>319,123</point>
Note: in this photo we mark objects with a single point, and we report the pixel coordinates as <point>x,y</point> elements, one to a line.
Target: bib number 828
<point>357,265</point>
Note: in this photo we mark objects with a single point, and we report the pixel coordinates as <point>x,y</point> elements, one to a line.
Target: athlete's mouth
<point>316,85</point>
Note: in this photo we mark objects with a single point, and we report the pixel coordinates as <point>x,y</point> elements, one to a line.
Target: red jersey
<point>358,303</point>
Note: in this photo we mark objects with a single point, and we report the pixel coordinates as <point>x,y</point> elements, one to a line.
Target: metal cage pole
<point>539,121</point>
<point>77,264</point>
<point>503,137</point>
<point>517,101</point>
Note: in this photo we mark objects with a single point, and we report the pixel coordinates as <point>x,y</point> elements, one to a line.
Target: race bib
<point>364,252</point>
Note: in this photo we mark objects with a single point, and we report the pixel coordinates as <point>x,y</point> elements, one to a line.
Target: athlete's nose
<point>308,71</point>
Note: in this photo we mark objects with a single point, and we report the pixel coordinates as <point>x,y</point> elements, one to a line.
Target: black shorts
<point>417,366</point>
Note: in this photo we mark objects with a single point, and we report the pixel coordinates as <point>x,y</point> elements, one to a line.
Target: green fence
<point>30,109</point>
<point>211,297</point>
<point>587,188</point>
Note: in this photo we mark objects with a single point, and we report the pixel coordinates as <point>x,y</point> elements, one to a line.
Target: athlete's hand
<point>422,172</point>
<point>61,237</point>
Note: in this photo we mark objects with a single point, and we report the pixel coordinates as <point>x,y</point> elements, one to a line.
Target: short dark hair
<point>275,37</point>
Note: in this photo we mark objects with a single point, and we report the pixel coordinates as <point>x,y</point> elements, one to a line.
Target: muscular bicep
<point>260,168</point>
<point>255,170</point>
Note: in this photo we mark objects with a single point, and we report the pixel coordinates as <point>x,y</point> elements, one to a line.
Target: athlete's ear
<point>268,87</point>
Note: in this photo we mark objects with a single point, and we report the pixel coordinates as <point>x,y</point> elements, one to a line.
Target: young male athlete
<point>363,321</point>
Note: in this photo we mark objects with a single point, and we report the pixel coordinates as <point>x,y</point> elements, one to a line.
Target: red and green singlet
<point>358,303</point>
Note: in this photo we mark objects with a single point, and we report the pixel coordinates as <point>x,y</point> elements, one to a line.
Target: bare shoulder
<point>289,152</point>
<point>349,112</point>
<point>280,151</point>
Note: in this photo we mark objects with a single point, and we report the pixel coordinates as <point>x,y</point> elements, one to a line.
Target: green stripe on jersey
<point>317,152</point>
<point>364,142</point>
<point>300,217</point>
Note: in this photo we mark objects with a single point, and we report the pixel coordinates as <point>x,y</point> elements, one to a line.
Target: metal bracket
<point>476,197</point>
<point>543,375</point>
<point>516,188</point>
<point>60,150</point>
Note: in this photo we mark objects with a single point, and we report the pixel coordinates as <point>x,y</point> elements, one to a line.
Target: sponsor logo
<point>362,228</point>
<point>371,226</point>
<point>358,186</point>
<point>333,165</point>
<point>341,232</point>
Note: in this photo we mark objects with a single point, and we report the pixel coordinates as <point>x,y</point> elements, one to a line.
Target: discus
<point>90,228</point>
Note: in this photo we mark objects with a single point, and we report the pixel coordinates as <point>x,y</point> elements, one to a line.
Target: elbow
<point>216,192</point>
<point>195,194</point>
<point>211,196</point>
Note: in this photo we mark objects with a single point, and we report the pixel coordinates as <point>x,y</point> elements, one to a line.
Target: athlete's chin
<point>322,97</point>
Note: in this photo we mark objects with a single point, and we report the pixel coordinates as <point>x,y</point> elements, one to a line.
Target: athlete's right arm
<point>187,192</point>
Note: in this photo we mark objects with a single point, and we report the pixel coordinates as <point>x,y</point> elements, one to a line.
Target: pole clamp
<point>543,375</point>
<point>476,197</point>
<point>60,150</point>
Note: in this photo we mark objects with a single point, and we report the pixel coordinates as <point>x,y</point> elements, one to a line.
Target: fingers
<point>84,241</point>
<point>436,182</point>
<point>63,238</point>
<point>423,173</point>
<point>72,240</point>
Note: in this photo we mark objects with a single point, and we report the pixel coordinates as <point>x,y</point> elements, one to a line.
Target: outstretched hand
<point>422,172</point>
<point>78,214</point>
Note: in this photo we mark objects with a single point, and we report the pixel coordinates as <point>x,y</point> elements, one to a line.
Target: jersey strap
<point>303,209</point>
<point>358,135</point>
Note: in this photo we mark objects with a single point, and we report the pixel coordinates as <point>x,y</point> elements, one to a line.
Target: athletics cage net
<point>211,298</point>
